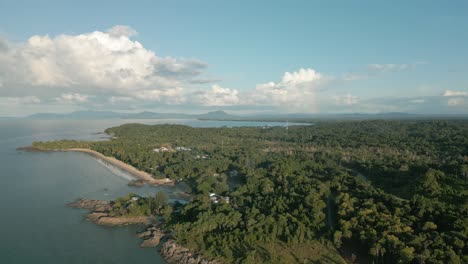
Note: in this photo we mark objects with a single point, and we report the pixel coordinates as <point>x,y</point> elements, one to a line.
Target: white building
<point>161,149</point>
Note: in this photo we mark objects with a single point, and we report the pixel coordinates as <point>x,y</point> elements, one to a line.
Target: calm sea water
<point>36,226</point>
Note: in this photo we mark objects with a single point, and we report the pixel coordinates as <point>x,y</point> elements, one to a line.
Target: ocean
<point>36,225</point>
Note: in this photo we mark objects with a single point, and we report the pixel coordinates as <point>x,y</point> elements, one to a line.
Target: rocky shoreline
<point>100,213</point>
<point>177,254</point>
<point>95,205</point>
<point>152,234</point>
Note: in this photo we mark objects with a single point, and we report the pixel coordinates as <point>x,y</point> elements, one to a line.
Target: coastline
<point>153,234</point>
<point>99,213</point>
<point>141,175</point>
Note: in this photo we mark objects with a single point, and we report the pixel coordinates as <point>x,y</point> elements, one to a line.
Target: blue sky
<point>356,56</point>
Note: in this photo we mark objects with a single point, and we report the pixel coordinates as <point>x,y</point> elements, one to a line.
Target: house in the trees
<point>218,198</point>
<point>161,149</point>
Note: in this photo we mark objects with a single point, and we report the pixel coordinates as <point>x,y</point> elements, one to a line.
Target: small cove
<point>36,224</point>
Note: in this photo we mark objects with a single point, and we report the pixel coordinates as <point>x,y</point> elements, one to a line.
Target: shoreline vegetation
<point>142,177</point>
<point>101,213</point>
<point>295,194</point>
<point>127,211</point>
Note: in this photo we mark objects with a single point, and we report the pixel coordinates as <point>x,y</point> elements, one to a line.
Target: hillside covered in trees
<point>385,191</point>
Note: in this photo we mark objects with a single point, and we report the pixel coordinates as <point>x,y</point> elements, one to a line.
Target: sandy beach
<point>124,166</point>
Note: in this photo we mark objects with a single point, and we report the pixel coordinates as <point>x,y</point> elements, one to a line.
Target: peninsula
<point>333,192</point>
<point>142,176</point>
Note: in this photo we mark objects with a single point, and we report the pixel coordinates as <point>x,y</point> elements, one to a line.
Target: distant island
<point>223,116</point>
<point>142,115</point>
<point>377,191</point>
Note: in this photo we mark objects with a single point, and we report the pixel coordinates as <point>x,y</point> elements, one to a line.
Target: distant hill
<point>142,115</point>
<point>153,115</point>
<point>218,115</point>
<point>221,115</point>
<point>46,116</point>
<point>78,115</point>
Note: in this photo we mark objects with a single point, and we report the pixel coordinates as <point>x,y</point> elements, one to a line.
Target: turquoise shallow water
<point>36,226</point>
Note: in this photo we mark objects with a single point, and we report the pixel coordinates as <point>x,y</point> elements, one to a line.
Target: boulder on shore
<point>95,216</point>
<point>152,236</point>
<point>175,253</point>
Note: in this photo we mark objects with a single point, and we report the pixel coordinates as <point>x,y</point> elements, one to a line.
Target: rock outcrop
<point>175,253</point>
<point>100,213</point>
<point>95,216</point>
<point>95,205</point>
<point>121,220</point>
<point>152,236</point>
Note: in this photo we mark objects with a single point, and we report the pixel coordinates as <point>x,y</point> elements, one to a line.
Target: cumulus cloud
<point>72,98</point>
<point>347,99</point>
<point>111,68</point>
<point>3,44</point>
<point>455,98</point>
<point>98,62</point>
<point>297,90</point>
<point>121,30</point>
<point>454,93</point>
<point>172,95</point>
<point>217,96</point>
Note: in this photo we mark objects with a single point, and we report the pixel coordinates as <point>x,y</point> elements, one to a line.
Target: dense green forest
<point>386,191</point>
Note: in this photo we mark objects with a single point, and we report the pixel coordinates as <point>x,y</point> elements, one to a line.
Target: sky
<point>237,56</point>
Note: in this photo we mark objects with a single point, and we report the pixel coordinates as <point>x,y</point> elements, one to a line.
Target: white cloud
<point>456,101</point>
<point>3,44</point>
<point>94,63</point>
<point>347,99</point>
<point>120,99</point>
<point>417,101</point>
<point>354,77</point>
<point>23,100</point>
<point>120,30</point>
<point>217,96</point>
<point>72,98</point>
<point>301,76</point>
<point>389,67</point>
<point>172,95</point>
<point>296,90</point>
<point>454,93</point>
<point>455,98</point>
<point>111,68</point>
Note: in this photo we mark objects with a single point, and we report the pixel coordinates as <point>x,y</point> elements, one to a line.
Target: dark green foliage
<point>61,144</point>
<point>134,205</point>
<point>395,191</point>
<point>126,206</point>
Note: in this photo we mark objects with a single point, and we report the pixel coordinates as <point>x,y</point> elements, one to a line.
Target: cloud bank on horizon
<point>111,70</point>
